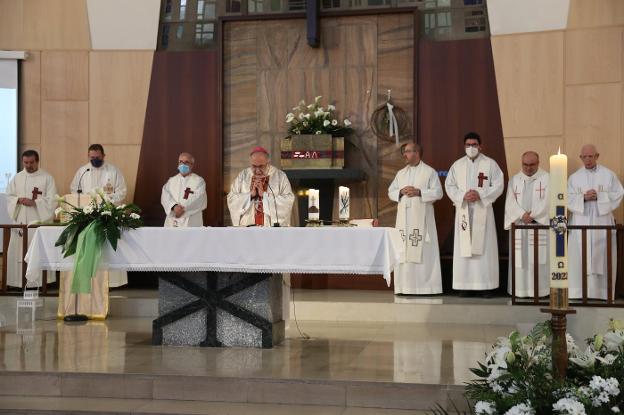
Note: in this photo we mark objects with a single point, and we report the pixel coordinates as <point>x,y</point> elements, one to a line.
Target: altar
<point>214,282</point>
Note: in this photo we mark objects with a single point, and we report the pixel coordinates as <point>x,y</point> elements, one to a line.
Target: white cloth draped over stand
<point>330,250</point>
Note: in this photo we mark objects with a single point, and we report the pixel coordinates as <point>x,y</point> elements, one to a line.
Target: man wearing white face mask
<point>184,196</point>
<point>473,183</point>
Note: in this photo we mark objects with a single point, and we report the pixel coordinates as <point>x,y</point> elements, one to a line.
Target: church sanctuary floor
<point>368,352</point>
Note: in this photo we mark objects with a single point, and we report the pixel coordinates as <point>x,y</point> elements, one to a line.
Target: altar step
<point>41,392</point>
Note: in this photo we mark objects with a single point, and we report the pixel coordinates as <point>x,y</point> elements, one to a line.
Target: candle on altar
<point>313,204</point>
<point>558,240</point>
<point>344,202</point>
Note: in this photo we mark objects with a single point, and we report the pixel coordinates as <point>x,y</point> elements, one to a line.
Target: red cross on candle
<point>482,177</point>
<point>36,192</point>
<point>187,192</point>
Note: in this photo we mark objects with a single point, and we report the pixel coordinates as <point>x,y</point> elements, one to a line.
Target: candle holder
<point>344,222</point>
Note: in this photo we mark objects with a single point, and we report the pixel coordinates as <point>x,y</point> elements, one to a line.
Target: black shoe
<point>487,294</point>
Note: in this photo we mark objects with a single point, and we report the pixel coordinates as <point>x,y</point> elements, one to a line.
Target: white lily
<point>317,99</point>
<point>330,107</point>
<point>347,122</point>
<point>334,122</point>
<point>326,123</point>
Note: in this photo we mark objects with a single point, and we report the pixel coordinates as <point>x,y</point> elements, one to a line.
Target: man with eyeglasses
<point>183,197</point>
<point>261,194</point>
<point>594,192</point>
<point>473,183</point>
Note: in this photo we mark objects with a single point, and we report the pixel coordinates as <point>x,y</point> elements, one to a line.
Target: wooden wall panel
<point>598,13</point>
<point>119,84</point>
<point>593,116</point>
<point>395,72</point>
<point>457,94</point>
<point>64,139</point>
<point>30,99</point>
<point>593,55</point>
<point>529,78</point>
<point>55,24</point>
<point>544,146</point>
<point>126,157</point>
<point>181,119</point>
<point>11,24</point>
<point>269,68</point>
<point>65,75</point>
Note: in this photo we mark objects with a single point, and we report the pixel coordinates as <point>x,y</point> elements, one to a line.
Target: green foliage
<point>110,221</point>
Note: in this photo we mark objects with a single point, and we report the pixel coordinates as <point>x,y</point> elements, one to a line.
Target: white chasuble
<point>419,271</point>
<point>475,250</point>
<point>111,181</point>
<point>39,187</point>
<point>594,212</point>
<point>189,192</point>
<point>277,201</point>
<point>528,194</point>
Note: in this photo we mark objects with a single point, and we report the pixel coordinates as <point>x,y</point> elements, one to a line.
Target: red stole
<point>259,206</point>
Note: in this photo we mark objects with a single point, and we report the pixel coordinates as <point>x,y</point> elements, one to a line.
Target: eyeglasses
<point>471,145</point>
<point>188,163</point>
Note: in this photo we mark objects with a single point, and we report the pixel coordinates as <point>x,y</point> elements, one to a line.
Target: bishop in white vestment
<point>183,197</point>
<point>594,192</point>
<point>30,198</point>
<point>473,183</point>
<point>261,194</point>
<point>527,204</point>
<point>416,187</point>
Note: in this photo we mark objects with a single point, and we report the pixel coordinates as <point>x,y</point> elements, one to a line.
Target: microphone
<point>276,224</point>
<point>79,190</point>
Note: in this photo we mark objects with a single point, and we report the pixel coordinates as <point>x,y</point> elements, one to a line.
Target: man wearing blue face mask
<point>98,174</point>
<point>184,196</point>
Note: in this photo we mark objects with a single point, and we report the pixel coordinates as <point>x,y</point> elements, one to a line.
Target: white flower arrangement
<point>516,376</point>
<point>316,119</point>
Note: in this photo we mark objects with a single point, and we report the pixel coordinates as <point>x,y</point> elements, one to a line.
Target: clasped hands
<point>178,210</point>
<point>26,201</point>
<point>472,196</point>
<point>257,186</point>
<point>591,194</point>
<point>410,191</point>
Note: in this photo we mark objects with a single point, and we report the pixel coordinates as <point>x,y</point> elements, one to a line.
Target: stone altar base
<point>218,309</point>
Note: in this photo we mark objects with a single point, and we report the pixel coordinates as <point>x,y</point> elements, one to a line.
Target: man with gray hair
<point>594,192</point>
<point>416,187</point>
<point>184,196</point>
<point>527,204</point>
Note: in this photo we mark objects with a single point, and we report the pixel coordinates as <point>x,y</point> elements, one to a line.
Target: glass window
<point>233,6</point>
<point>164,36</point>
<point>182,9</point>
<point>180,31</point>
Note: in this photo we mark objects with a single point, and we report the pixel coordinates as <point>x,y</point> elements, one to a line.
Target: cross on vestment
<point>415,237</point>
<point>482,177</point>
<point>187,192</point>
<point>541,190</point>
<point>515,193</point>
<point>36,192</point>
<point>402,232</point>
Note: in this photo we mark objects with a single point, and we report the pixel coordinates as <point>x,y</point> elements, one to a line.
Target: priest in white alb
<point>183,197</point>
<point>416,187</point>
<point>594,192</point>
<point>261,194</point>
<point>31,197</point>
<point>96,174</point>
<point>473,183</point>
<point>527,204</point>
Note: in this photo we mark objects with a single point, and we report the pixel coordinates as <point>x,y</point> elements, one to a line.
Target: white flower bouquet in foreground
<point>87,230</point>
<point>516,377</point>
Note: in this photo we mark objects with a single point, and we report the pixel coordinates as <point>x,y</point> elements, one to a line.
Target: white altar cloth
<point>324,250</point>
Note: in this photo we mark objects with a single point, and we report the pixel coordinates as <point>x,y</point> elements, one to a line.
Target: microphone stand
<point>77,318</point>
<point>275,224</point>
